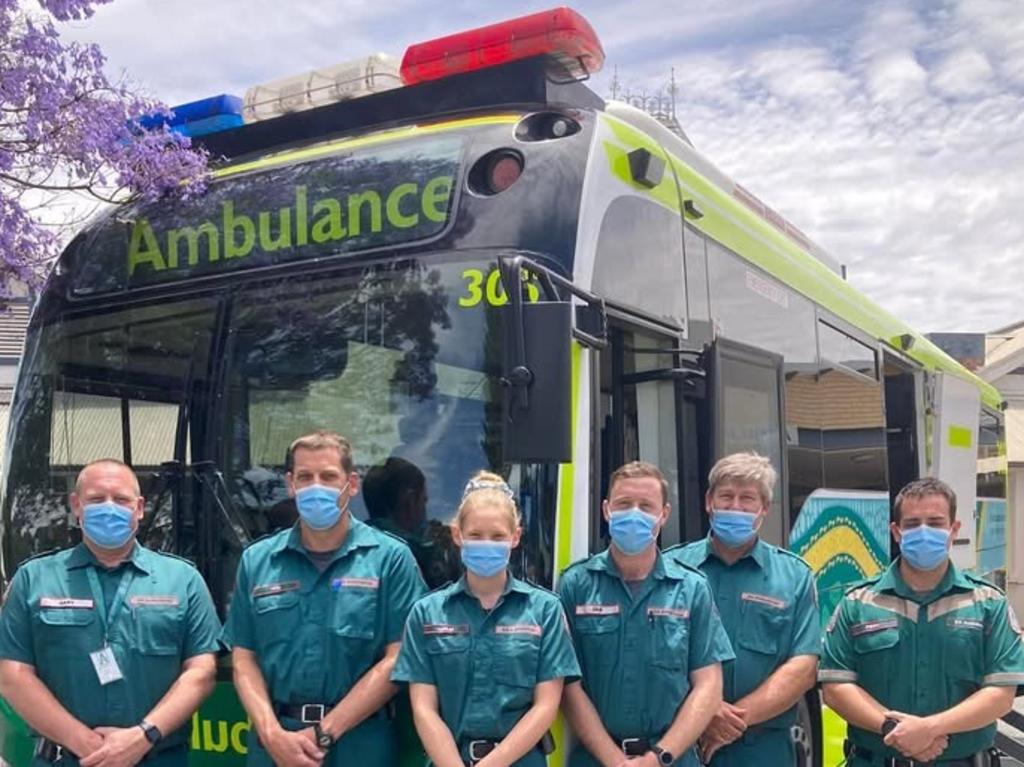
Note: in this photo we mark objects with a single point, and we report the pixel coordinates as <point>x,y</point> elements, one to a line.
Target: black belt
<point>307,713</point>
<point>899,761</point>
<point>478,748</point>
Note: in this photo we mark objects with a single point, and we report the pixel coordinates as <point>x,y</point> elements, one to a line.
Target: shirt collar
<point>758,552</point>
<point>82,556</point>
<point>359,535</point>
<point>605,562</point>
<point>892,580</point>
<point>511,584</point>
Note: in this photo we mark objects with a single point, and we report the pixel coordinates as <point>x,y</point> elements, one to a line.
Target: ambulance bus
<point>471,260</point>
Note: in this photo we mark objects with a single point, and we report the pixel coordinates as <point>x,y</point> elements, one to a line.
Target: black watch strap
<point>323,739</point>
<point>152,732</point>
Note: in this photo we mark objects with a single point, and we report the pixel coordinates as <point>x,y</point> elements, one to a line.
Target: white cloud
<point>964,74</point>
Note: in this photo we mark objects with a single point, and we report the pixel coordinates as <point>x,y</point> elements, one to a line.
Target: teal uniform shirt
<point>923,653</point>
<point>637,648</point>
<point>485,664</point>
<point>55,615</point>
<point>316,634</point>
<point>768,603</point>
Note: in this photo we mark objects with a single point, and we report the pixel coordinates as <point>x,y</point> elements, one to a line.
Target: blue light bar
<point>200,118</point>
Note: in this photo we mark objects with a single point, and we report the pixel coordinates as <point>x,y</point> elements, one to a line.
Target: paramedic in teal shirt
<point>108,648</point>
<point>649,638</point>
<point>486,657</point>
<point>767,600</point>
<point>316,620</point>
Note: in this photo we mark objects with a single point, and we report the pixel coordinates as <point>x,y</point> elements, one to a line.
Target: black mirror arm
<point>520,376</point>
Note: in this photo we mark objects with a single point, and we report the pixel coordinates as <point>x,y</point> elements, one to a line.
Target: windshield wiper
<point>212,478</point>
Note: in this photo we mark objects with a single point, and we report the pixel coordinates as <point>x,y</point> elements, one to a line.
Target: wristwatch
<point>152,732</point>
<point>323,739</point>
<point>664,757</point>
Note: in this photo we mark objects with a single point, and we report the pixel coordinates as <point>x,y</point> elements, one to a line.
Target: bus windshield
<point>203,395</point>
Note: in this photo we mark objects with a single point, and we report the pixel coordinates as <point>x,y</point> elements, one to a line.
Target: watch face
<point>325,740</point>
<point>666,758</point>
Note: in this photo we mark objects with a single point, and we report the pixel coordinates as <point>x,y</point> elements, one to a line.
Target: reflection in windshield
<point>203,396</point>
<point>388,359</point>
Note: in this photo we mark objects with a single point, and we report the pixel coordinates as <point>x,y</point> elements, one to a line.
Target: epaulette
<point>794,555</point>
<point>442,587</point>
<point>539,587</point>
<point>686,566</point>
<point>862,582</point>
<point>577,563</point>
<point>982,582</point>
<point>170,555</point>
<point>48,553</point>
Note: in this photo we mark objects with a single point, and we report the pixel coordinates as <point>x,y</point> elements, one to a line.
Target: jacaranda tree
<point>65,128</point>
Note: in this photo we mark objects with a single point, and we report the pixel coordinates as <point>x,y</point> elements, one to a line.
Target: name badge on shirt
<point>65,603</point>
<point>763,599</point>
<point>597,609</point>
<point>355,583</point>
<point>519,628</point>
<point>105,663</point>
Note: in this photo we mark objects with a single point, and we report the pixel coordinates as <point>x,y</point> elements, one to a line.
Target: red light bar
<point>560,33</point>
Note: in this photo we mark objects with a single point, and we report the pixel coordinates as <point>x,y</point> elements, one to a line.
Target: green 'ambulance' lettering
<point>362,213</point>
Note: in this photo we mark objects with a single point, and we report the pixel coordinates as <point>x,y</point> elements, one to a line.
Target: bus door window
<point>747,407</point>
<point>106,385</point>
<point>853,413</point>
<point>900,424</point>
<point>638,412</point>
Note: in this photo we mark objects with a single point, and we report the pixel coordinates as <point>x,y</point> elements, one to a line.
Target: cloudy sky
<point>891,132</point>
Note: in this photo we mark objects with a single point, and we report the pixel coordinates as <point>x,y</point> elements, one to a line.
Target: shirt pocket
<point>598,639</point>
<point>276,617</point>
<point>762,626</point>
<point>159,630</point>
<point>518,660</point>
<point>670,639</point>
<point>878,659</point>
<point>964,655</point>
<point>63,632</point>
<point>354,608</point>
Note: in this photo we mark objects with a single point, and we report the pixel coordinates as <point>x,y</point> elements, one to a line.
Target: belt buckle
<point>316,717</point>
<point>626,743</point>
<point>487,745</point>
<point>43,752</point>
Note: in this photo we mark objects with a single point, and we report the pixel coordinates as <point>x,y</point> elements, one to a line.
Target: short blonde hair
<point>744,469</point>
<point>322,439</point>
<point>639,470</point>
<point>487,489</point>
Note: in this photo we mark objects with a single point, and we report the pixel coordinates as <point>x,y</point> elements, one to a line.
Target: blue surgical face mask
<point>486,558</point>
<point>109,525</point>
<point>925,548</point>
<point>318,506</point>
<point>734,528</point>
<point>632,530</point>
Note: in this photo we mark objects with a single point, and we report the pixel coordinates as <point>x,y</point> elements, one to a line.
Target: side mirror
<point>536,373</point>
<point>537,360</point>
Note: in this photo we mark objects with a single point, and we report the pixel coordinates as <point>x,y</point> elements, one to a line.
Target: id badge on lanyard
<point>104,662</point>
